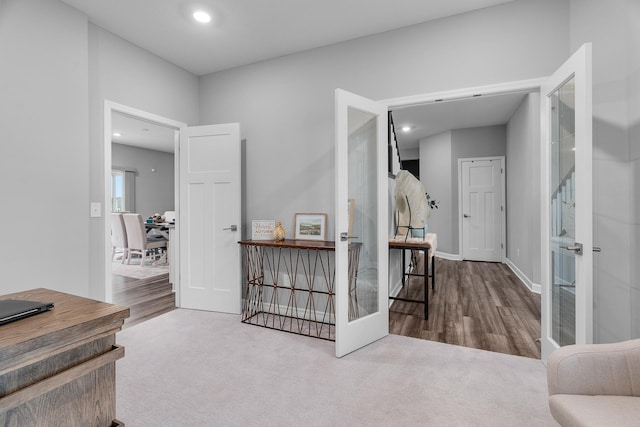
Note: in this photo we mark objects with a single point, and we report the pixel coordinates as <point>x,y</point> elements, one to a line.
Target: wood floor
<point>146,298</point>
<point>475,304</point>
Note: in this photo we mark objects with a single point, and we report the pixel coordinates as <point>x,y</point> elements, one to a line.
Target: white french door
<point>209,217</point>
<point>566,216</point>
<point>362,289</point>
<point>482,208</point>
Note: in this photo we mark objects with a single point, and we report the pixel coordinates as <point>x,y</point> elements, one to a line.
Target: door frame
<point>111,107</point>
<point>503,216</point>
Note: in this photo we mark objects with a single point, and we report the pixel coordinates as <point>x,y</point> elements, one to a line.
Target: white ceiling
<point>139,133</point>
<point>247,31</point>
<point>437,117</point>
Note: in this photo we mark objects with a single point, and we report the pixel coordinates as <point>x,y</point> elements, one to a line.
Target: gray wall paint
<point>439,156</point>
<point>43,166</point>
<point>123,73</point>
<point>488,141</point>
<point>612,27</point>
<point>435,175</point>
<point>523,188</point>
<point>633,86</point>
<point>286,106</point>
<point>154,190</point>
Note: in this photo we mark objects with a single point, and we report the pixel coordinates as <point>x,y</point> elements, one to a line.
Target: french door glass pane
<point>563,207</point>
<point>363,191</point>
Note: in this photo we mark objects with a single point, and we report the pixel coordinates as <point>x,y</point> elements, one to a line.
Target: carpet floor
<point>196,368</point>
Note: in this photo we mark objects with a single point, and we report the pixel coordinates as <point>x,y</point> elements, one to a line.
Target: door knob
<point>466,216</point>
<point>345,236</point>
<point>232,228</point>
<point>577,248</point>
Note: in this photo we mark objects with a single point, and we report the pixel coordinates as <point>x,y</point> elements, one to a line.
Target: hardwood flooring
<point>146,298</point>
<point>475,304</point>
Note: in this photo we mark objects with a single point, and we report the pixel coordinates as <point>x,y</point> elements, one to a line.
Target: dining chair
<point>138,240</point>
<point>118,236</point>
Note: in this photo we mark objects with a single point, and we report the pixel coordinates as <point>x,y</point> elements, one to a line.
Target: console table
<point>290,285</point>
<point>58,368</point>
<point>428,246</point>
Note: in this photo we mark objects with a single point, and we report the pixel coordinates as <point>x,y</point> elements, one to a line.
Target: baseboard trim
<point>533,287</point>
<point>450,257</point>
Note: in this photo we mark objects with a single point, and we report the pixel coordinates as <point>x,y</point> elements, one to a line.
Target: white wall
<point>612,28</point>
<point>487,141</point>
<point>523,188</point>
<point>633,90</point>
<point>435,175</point>
<point>126,74</point>
<point>286,106</point>
<point>44,162</point>
<point>439,156</point>
<point>154,177</point>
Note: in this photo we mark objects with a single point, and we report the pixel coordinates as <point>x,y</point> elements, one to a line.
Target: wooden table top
<point>321,245</point>
<point>70,313</point>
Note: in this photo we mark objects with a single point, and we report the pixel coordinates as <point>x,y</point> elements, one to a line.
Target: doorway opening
<point>148,290</point>
<point>448,323</point>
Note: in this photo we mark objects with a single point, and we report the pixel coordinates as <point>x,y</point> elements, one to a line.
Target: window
<point>117,191</point>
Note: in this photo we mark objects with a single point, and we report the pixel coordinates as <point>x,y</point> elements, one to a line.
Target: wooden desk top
<point>72,319</point>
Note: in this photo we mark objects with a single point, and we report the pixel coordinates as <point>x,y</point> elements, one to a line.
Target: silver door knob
<point>577,248</point>
<point>466,216</point>
<point>232,228</point>
<point>345,236</point>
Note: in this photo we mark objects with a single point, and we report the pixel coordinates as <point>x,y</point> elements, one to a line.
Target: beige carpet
<point>195,368</point>
<point>135,271</point>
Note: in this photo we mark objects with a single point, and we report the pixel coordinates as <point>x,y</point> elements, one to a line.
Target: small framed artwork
<point>262,229</point>
<point>311,226</point>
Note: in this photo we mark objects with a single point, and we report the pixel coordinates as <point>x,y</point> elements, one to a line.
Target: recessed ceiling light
<point>406,128</point>
<point>117,134</point>
<point>202,16</point>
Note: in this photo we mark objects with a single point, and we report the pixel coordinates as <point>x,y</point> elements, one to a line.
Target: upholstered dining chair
<point>137,238</point>
<point>118,236</point>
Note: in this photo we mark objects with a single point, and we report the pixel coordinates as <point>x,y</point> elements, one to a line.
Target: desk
<point>58,368</point>
<point>428,246</point>
<point>283,290</point>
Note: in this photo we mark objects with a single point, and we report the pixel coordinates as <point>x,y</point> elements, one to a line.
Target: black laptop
<point>13,309</point>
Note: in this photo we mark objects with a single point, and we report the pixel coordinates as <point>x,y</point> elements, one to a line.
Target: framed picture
<point>262,229</point>
<point>311,226</point>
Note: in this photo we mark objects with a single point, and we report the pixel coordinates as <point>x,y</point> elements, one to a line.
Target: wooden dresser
<point>58,368</point>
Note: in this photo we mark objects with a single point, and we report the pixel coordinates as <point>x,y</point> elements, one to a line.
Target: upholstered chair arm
<point>596,369</point>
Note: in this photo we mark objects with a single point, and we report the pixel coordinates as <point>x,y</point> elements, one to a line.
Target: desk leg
<point>403,267</point>
<point>426,283</point>
<point>433,272</point>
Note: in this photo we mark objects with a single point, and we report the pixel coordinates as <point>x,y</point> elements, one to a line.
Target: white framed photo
<point>262,229</point>
<point>310,226</point>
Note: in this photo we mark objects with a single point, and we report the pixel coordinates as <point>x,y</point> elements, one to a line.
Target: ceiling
<point>247,31</point>
<point>437,117</point>
<point>142,134</point>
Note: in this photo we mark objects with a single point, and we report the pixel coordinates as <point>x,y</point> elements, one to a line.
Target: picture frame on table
<point>262,229</point>
<point>310,226</point>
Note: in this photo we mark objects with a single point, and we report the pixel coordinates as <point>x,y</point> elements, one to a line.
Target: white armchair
<point>595,385</point>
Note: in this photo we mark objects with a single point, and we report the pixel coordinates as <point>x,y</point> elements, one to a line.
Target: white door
<point>482,209</point>
<point>362,289</point>
<point>567,241</point>
<point>209,218</point>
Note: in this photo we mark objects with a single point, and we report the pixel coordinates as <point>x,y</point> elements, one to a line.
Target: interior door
<point>482,209</point>
<point>567,246</point>
<point>209,217</point>
<point>362,289</point>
